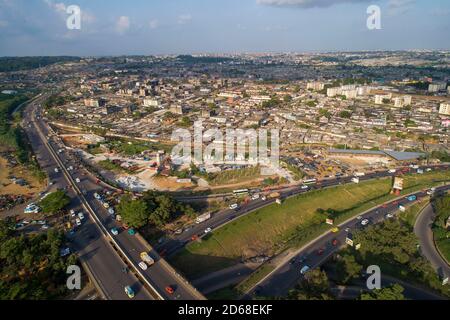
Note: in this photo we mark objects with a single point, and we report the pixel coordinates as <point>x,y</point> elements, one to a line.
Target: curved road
<point>422,229</point>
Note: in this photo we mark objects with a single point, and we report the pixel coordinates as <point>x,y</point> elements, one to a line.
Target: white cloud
<point>123,24</point>
<point>396,7</point>
<point>153,24</point>
<point>306,3</point>
<point>184,18</point>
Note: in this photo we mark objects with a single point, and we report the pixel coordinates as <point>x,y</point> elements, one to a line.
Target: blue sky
<point>113,27</point>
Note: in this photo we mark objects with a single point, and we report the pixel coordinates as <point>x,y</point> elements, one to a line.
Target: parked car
<point>115,231</point>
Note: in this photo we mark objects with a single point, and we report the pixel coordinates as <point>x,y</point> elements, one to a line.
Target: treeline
<point>31,267</point>
<point>8,64</point>
<point>9,136</point>
<point>188,59</point>
<point>13,138</point>
<point>153,208</point>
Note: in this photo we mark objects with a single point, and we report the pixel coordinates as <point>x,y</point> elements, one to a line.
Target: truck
<point>147,259</point>
<point>274,195</point>
<point>203,218</point>
<point>355,180</point>
<point>412,198</point>
<point>360,174</point>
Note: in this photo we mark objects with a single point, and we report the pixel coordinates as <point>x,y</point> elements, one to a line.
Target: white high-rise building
<point>350,94</point>
<point>332,92</point>
<point>317,86</point>
<point>445,109</point>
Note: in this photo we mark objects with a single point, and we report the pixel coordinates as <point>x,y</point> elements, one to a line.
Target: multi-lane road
<point>319,250</point>
<point>177,242</point>
<point>422,229</point>
<point>94,242</point>
<point>111,260</point>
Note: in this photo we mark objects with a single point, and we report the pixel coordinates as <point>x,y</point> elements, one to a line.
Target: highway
<point>93,240</point>
<point>219,219</point>
<point>286,275</point>
<point>422,229</point>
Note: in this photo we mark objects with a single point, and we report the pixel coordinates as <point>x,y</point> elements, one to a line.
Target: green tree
<point>394,292</point>
<point>315,286</point>
<point>348,268</point>
<point>133,212</point>
<point>54,202</point>
<point>345,114</point>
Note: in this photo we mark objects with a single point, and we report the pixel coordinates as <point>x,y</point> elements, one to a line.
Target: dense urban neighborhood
<point>94,175</point>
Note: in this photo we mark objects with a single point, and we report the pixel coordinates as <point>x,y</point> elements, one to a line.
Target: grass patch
<point>228,293</point>
<point>235,176</point>
<point>441,233</point>
<point>111,166</point>
<point>275,228</point>
<point>410,215</point>
<point>254,278</point>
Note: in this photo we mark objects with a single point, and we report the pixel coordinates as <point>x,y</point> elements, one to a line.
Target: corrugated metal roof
<point>397,155</point>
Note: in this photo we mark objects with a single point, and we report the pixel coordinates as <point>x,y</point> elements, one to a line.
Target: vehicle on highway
<point>111,211</point>
<point>77,180</point>
<point>335,230</point>
<point>72,213</point>
<point>45,227</point>
<point>202,218</point>
<point>78,221</point>
<point>304,187</point>
<point>347,230</point>
<point>389,216</point>
<point>359,217</point>
<point>305,269</point>
<point>32,208</point>
<point>278,201</point>
<point>97,196</point>
<point>115,231</point>
<point>335,242</point>
<point>263,198</point>
<point>81,216</point>
<point>146,258</point>
<point>129,292</point>
<point>241,192</point>
<point>365,222</point>
<point>208,230</point>
<point>143,265</point>
<point>131,232</point>
<point>170,290</point>
<point>309,181</point>
<point>234,206</point>
<point>320,251</point>
<point>106,205</point>
<point>56,170</point>
<point>256,196</point>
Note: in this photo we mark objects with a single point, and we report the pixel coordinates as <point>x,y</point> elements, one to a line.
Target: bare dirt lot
<point>19,172</point>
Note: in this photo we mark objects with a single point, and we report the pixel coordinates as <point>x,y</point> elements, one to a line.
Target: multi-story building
<point>445,109</point>
<point>317,86</point>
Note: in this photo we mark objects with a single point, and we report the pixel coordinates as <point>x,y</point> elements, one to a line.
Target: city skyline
<point>112,28</point>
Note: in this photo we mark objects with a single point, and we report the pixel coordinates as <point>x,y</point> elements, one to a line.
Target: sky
<point>144,27</point>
